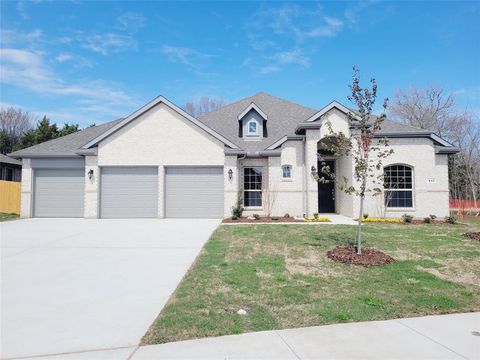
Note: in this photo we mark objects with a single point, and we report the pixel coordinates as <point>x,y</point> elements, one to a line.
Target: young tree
<point>366,151</point>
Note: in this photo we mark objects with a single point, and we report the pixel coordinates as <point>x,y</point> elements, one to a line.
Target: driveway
<point>71,285</point>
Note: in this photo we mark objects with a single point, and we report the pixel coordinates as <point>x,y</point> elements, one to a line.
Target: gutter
<point>88,152</point>
<point>447,150</point>
<point>39,155</point>
<point>253,154</point>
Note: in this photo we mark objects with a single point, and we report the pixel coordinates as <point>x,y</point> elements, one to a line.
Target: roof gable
<point>333,105</point>
<point>150,105</point>
<point>254,107</point>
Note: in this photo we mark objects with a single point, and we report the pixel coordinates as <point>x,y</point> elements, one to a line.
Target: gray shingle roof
<point>283,117</point>
<point>390,126</point>
<point>8,160</point>
<point>65,145</point>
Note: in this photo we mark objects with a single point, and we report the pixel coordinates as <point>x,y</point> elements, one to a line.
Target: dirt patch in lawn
<point>369,257</point>
<point>475,235</point>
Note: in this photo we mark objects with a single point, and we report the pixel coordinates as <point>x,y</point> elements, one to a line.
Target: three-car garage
<point>128,192</point>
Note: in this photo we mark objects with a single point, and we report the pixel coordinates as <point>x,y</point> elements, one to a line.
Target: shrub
<point>433,217</point>
<point>234,217</point>
<point>237,209</point>
<point>275,218</point>
<point>407,218</point>
<point>256,216</point>
<point>452,219</point>
<point>427,220</point>
<point>365,216</point>
<point>287,215</point>
<point>315,215</point>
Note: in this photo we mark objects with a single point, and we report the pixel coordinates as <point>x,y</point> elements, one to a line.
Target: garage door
<point>194,192</point>
<point>58,192</point>
<point>129,192</point>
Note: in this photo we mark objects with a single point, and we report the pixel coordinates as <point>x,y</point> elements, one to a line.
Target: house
<point>162,162</point>
<point>10,168</point>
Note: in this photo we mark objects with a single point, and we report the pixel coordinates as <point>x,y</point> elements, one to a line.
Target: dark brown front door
<point>326,192</point>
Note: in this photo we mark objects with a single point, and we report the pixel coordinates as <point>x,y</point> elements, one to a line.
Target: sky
<point>91,61</point>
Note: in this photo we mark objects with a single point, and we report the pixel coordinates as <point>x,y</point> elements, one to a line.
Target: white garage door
<point>194,192</point>
<point>129,192</point>
<point>58,192</point>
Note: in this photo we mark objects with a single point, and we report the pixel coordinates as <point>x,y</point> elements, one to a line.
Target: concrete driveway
<point>72,285</point>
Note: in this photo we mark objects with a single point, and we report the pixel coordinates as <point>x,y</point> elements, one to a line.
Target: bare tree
<point>429,108</point>
<point>14,123</point>
<point>468,160</point>
<point>433,109</point>
<point>204,105</point>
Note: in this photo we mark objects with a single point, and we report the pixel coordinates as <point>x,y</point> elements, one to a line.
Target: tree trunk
<point>359,231</point>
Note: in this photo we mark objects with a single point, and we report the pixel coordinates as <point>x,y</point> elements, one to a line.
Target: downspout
<point>304,185</point>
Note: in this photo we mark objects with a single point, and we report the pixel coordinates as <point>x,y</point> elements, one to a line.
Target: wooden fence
<point>10,197</point>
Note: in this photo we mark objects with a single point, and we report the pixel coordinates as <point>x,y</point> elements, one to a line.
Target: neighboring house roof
<point>65,146</point>
<point>4,159</point>
<point>283,117</point>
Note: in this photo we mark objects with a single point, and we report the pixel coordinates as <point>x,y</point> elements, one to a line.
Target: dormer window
<point>252,127</point>
<point>252,123</point>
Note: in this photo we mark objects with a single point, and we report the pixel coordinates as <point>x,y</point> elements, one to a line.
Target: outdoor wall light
<point>313,170</point>
<point>90,174</point>
<point>230,174</point>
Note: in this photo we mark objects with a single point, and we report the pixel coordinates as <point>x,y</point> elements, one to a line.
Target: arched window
<point>398,185</point>
<point>287,171</point>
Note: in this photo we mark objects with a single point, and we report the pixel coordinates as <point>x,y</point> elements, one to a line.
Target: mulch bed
<point>261,219</point>
<point>369,257</point>
<point>473,235</point>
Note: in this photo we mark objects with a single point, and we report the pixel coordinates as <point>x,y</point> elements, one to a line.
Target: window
<point>287,171</point>
<point>252,185</point>
<point>252,127</point>
<point>398,184</point>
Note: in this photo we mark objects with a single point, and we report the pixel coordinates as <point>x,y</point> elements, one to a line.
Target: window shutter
<point>265,132</point>
<point>240,128</point>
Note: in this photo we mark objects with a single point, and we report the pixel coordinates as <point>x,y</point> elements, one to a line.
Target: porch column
<point>311,140</point>
<point>231,186</point>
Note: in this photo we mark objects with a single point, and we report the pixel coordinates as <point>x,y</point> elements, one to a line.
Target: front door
<point>326,191</point>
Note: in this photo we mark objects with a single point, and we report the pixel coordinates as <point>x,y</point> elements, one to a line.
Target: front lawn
<point>5,216</point>
<point>280,275</point>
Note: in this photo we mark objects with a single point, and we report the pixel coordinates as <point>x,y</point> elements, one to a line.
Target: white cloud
<point>292,57</point>
<point>269,69</point>
<point>75,60</point>
<point>131,21</point>
<point>13,36</point>
<point>28,70</point>
<point>64,57</point>
<point>186,56</point>
<point>109,42</point>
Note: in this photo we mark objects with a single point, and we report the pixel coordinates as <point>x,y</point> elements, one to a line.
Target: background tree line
<point>20,129</point>
<point>433,109</point>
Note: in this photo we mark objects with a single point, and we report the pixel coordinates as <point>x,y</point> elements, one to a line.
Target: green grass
<point>281,276</point>
<point>6,217</point>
